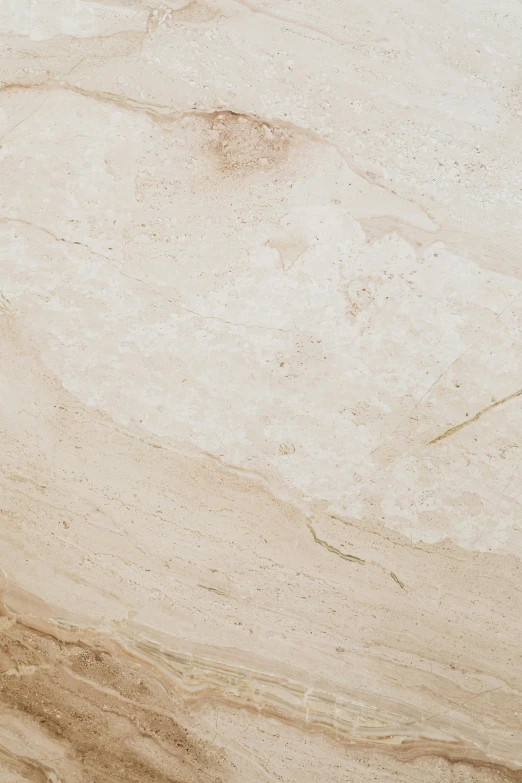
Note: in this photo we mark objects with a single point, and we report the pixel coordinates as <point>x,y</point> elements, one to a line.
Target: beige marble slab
<point>260,391</point>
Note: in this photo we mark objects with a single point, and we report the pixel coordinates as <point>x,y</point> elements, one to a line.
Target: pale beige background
<point>261,388</point>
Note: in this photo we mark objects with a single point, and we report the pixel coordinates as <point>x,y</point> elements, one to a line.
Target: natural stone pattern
<point>261,391</point>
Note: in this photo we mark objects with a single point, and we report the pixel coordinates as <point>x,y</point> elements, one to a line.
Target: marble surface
<point>261,391</point>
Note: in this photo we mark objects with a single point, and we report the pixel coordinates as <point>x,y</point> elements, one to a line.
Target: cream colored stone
<point>261,384</point>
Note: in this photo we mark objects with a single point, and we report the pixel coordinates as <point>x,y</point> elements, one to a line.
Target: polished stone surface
<point>261,391</point>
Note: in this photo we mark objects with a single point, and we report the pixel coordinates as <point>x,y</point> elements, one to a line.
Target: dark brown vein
<point>476,417</point>
<point>396,579</point>
<point>335,551</point>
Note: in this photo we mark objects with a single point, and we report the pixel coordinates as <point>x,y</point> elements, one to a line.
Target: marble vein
<point>260,385</point>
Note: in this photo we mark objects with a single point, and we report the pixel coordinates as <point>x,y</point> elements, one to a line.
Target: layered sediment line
<point>197,674</point>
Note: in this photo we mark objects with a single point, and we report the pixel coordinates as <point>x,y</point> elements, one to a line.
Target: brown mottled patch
<point>113,716</point>
<point>359,295</point>
<point>243,144</point>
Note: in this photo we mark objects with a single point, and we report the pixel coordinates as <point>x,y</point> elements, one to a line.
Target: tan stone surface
<point>260,391</point>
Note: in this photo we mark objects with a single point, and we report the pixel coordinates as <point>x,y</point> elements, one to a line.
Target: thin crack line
<point>66,240</point>
<point>17,125</point>
<point>435,382</point>
<point>113,263</point>
<point>477,416</point>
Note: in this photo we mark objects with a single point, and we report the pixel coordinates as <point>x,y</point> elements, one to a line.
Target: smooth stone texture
<point>261,383</point>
